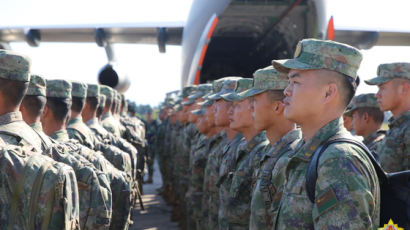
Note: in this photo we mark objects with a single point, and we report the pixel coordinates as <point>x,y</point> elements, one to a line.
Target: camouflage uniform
<point>367,101</point>
<point>120,182</point>
<point>91,194</point>
<point>271,178</point>
<point>373,139</point>
<point>248,157</point>
<point>13,130</point>
<point>347,194</point>
<point>108,120</point>
<point>197,167</point>
<point>394,150</point>
<point>228,160</point>
<point>45,191</point>
<point>210,196</point>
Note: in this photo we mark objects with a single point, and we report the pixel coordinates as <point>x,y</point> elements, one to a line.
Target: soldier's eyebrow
<point>295,75</point>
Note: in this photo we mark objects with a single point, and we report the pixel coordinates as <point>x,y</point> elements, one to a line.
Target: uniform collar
<point>60,135</point>
<point>285,140</point>
<point>75,120</point>
<point>92,121</point>
<point>305,150</point>
<point>10,117</point>
<point>398,121</point>
<point>37,126</point>
<point>258,138</point>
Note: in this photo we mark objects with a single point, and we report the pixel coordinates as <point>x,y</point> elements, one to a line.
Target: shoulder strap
<point>311,173</point>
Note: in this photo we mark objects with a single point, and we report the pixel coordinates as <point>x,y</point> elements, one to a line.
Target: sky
<point>152,73</point>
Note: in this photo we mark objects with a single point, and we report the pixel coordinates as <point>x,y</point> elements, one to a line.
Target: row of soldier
<point>70,154</point>
<point>234,154</point>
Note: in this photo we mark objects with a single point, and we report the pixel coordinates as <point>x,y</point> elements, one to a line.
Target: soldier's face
<point>221,113</point>
<point>242,115</point>
<point>302,96</point>
<point>202,124</point>
<point>358,123</point>
<point>347,122</point>
<point>387,96</point>
<point>262,111</point>
<point>210,115</point>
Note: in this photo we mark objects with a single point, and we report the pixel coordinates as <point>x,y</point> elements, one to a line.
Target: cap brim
<point>232,97</point>
<point>285,65</point>
<point>251,92</point>
<point>198,112</point>
<point>189,102</point>
<point>377,81</point>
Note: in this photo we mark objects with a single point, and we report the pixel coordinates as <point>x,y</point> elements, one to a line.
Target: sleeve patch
<point>326,201</point>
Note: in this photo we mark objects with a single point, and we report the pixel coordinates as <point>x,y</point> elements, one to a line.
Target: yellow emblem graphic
<point>390,226</point>
<point>298,50</point>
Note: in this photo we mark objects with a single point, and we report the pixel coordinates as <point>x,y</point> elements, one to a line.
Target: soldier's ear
<point>279,107</point>
<point>330,92</point>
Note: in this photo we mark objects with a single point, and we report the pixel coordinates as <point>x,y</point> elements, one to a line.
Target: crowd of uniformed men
<point>234,153</point>
<point>71,156</point>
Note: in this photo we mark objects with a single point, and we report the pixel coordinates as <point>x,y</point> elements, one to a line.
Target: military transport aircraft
<point>220,37</point>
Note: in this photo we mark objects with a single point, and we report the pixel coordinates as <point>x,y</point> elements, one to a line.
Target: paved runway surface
<point>157,214</point>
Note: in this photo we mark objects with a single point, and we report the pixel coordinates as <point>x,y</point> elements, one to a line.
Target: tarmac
<point>157,214</point>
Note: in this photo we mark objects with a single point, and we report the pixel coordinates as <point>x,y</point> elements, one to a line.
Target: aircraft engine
<point>112,75</point>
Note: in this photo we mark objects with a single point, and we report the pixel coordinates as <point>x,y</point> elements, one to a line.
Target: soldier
<point>393,80</point>
<point>152,128</point>
<point>210,200</point>
<point>91,193</point>
<point>367,119</point>
<point>196,142</point>
<point>79,131</point>
<point>14,80</point>
<point>321,84</point>
<point>228,157</point>
<point>267,94</point>
<point>198,161</point>
<point>247,157</point>
<point>108,121</point>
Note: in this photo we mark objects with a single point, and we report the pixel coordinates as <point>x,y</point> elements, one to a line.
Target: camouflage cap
<point>388,71</point>
<point>14,66</point>
<point>199,112</point>
<point>229,85</point>
<point>202,90</point>
<point>320,54</point>
<point>37,86</point>
<point>206,103</point>
<point>107,91</point>
<point>78,89</point>
<point>93,90</point>
<point>188,90</point>
<point>102,101</point>
<point>58,88</point>
<point>243,85</point>
<point>364,100</point>
<point>177,107</point>
<point>266,79</point>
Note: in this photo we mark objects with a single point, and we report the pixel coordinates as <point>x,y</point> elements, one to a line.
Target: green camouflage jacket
<point>239,197</point>
<point>109,123</point>
<point>347,194</point>
<point>210,198</point>
<point>197,167</point>
<point>95,213</point>
<point>228,160</point>
<point>271,177</point>
<point>394,149</point>
<point>372,140</point>
<point>14,131</point>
